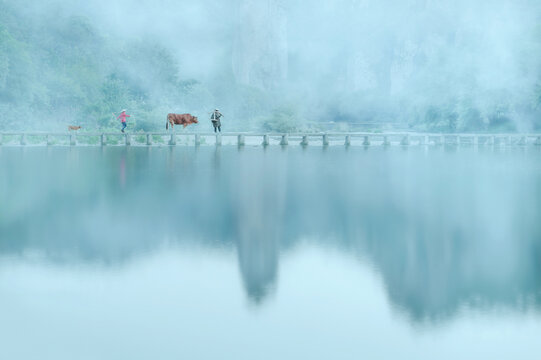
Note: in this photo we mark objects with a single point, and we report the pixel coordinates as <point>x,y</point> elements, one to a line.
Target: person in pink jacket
<point>122,118</point>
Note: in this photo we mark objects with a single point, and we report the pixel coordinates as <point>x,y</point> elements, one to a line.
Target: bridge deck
<point>284,139</point>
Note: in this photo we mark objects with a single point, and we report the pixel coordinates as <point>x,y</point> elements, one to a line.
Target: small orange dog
<point>75,128</point>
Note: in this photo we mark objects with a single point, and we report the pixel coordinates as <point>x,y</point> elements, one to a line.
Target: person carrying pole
<point>122,118</point>
<point>215,118</point>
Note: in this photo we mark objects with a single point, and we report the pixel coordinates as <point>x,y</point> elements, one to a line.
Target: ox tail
<point>167,124</point>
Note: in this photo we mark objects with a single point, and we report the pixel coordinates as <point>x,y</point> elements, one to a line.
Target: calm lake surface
<point>252,253</point>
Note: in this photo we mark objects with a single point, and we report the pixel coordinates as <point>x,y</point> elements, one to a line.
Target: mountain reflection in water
<point>444,227</point>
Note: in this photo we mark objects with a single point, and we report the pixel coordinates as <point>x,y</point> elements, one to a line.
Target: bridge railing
<point>265,139</point>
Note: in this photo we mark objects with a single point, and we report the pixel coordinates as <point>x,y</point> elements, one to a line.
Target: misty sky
<point>487,37</point>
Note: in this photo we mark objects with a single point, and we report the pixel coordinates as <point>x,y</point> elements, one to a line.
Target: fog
<point>278,65</point>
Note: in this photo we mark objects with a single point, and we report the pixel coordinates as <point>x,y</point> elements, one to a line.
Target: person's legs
<point>124,126</point>
<point>220,128</point>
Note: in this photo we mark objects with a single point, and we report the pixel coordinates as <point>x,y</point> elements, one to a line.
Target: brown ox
<point>180,119</point>
<point>73,128</point>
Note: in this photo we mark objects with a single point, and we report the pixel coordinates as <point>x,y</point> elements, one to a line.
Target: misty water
<point>276,253</point>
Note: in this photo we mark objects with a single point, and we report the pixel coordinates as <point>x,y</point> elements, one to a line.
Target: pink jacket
<point>123,117</point>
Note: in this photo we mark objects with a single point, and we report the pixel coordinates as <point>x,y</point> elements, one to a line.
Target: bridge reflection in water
<point>445,228</point>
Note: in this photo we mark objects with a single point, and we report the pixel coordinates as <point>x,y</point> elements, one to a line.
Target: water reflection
<point>446,228</point>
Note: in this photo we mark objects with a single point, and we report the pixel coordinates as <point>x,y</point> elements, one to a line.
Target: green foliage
<point>92,140</point>
<point>65,70</point>
<point>500,120</point>
<point>471,120</point>
<point>440,119</point>
<point>537,96</point>
<point>145,125</point>
<point>284,119</point>
<point>15,68</point>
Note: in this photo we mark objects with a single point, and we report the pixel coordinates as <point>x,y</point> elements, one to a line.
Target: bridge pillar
<point>476,140</point>
<point>304,141</point>
<point>149,139</point>
<point>265,140</point>
<point>405,140</point>
<point>523,141</point>
<point>1,139</point>
<point>422,140</point>
<point>240,140</point>
<point>366,141</point>
<point>285,140</point>
<point>23,139</point>
<point>538,141</point>
<point>348,141</point>
<point>218,139</point>
<point>325,140</point>
<point>173,140</point>
<point>127,139</point>
<point>386,141</point>
<point>197,140</point>
<point>103,140</point>
<point>73,139</point>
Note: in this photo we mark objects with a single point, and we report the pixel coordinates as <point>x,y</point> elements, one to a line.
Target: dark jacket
<point>215,118</point>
